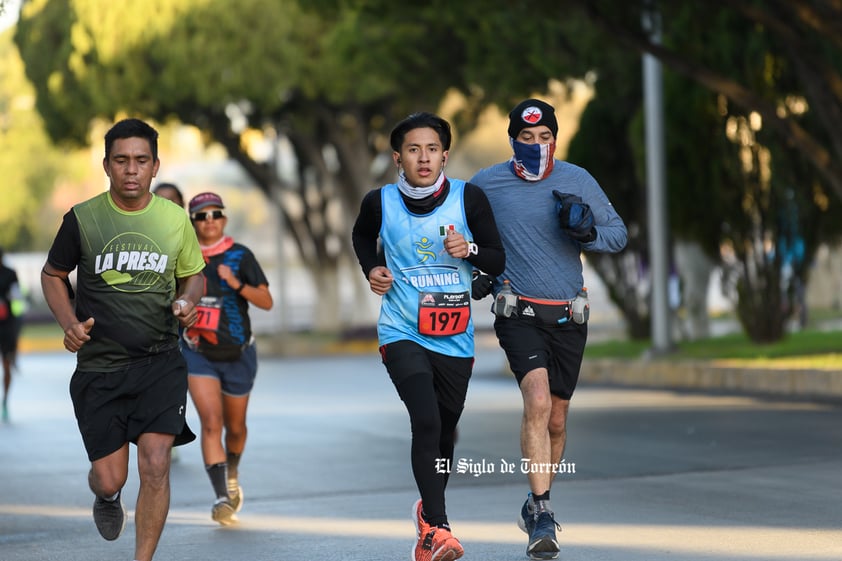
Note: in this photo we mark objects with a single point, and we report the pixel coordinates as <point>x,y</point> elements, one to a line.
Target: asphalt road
<point>658,475</point>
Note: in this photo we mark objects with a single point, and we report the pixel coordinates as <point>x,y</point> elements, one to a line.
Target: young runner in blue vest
<point>432,231</point>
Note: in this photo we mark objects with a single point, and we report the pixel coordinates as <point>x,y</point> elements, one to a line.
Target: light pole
<point>656,201</point>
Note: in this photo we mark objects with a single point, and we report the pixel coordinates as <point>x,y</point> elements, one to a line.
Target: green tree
<point>766,194</point>
<point>236,70</point>
<point>27,157</point>
<point>731,180</point>
<point>806,45</point>
<point>731,62</point>
<point>333,76</point>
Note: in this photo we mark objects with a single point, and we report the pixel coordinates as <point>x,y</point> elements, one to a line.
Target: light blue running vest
<point>429,284</point>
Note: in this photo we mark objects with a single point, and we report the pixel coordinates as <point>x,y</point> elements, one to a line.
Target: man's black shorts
<point>113,408</point>
<point>558,348</point>
<point>450,375</point>
<point>9,334</point>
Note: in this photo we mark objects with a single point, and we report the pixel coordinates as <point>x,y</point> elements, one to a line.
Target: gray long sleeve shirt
<point>541,260</point>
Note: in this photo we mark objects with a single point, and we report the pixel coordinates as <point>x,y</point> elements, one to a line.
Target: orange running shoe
<point>438,544</point>
<point>421,526</point>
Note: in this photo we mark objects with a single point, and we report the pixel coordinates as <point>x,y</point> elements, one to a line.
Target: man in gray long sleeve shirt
<point>547,212</point>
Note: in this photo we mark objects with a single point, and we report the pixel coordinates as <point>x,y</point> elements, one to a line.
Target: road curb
<point>814,384</point>
<point>807,383</point>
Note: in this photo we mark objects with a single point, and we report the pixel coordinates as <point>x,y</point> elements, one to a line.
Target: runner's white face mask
<point>418,192</point>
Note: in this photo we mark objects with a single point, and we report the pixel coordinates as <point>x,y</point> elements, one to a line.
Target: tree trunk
<point>694,268</point>
<point>628,287</point>
<point>327,298</point>
<point>759,304</point>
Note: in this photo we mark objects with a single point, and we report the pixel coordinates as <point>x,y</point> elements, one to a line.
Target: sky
<point>10,14</point>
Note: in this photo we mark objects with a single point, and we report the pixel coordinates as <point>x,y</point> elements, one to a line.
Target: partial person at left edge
<point>130,384</point>
<point>11,310</point>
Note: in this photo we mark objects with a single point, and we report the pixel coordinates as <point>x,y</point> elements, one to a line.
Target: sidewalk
<point>786,380</point>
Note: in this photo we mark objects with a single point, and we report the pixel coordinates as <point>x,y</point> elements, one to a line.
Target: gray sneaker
<point>223,512</point>
<point>235,493</point>
<point>110,517</point>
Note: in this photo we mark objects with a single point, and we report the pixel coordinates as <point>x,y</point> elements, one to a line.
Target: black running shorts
<point>9,333</point>
<point>116,407</point>
<point>530,345</point>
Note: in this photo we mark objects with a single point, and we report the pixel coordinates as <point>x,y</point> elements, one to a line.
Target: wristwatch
<point>472,248</point>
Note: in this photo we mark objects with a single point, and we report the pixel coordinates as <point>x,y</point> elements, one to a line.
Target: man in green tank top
<point>128,249</point>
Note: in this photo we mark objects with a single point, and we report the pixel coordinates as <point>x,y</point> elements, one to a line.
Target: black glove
<point>480,285</point>
<point>575,217</point>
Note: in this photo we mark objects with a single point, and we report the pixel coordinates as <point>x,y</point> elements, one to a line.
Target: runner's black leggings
<point>433,428</point>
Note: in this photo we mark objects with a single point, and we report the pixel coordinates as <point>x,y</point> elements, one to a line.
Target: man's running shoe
<point>542,540</point>
<point>223,512</point>
<point>437,544</point>
<point>526,520</point>
<point>110,517</point>
<point>235,493</point>
<point>421,526</point>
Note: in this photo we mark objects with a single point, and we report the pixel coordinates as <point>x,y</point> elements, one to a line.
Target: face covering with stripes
<point>532,162</point>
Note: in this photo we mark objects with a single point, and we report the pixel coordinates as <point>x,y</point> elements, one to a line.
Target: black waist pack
<point>222,353</point>
<point>544,312</point>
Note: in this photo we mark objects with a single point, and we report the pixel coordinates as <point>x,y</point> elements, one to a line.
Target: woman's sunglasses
<point>213,215</point>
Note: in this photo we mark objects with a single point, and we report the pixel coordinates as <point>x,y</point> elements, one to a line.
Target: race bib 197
<point>443,313</point>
